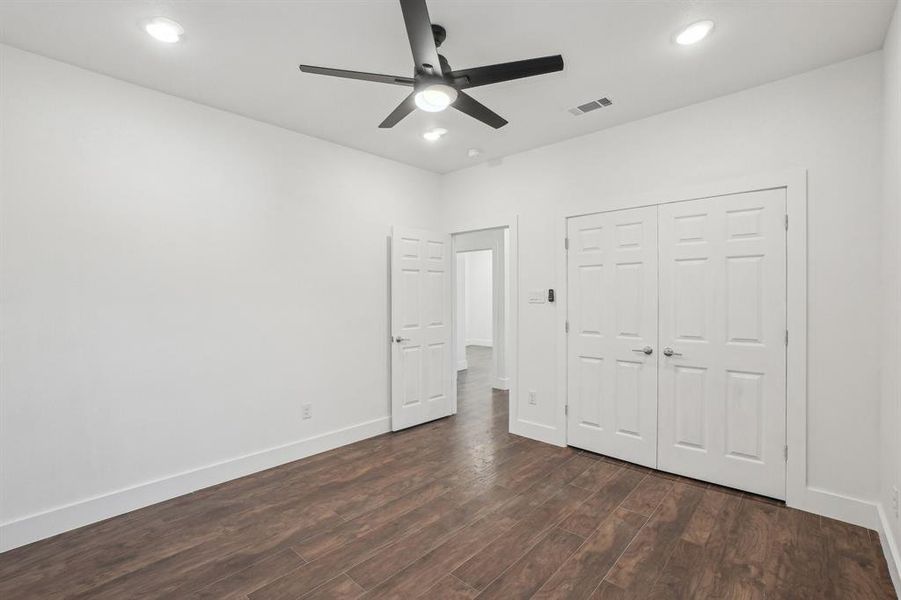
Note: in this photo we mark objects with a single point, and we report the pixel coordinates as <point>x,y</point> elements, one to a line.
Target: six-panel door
<point>709,402</point>
<point>421,365</point>
<point>722,312</point>
<point>612,359</point>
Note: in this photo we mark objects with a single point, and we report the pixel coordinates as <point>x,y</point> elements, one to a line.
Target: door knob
<point>647,350</point>
<point>399,339</point>
<point>670,352</point>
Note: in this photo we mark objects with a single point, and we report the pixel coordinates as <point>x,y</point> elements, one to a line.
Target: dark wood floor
<point>456,509</point>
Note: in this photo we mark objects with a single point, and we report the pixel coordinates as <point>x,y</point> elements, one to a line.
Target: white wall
<point>177,281</point>
<point>891,263</point>
<point>477,298</point>
<point>827,121</point>
<point>164,316</point>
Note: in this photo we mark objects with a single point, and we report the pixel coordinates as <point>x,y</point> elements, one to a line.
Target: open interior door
<point>422,366</point>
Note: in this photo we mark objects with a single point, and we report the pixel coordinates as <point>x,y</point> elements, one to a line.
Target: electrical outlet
<point>533,397</point>
<point>896,508</point>
<point>306,411</point>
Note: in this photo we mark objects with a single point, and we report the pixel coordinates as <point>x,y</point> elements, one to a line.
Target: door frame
<point>511,224</point>
<point>798,493</point>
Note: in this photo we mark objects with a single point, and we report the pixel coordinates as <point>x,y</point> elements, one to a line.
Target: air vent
<point>590,106</point>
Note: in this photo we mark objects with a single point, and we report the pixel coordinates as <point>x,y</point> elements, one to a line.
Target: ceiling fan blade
<point>475,109</point>
<point>467,78</point>
<point>392,79</point>
<point>402,110</point>
<point>422,40</point>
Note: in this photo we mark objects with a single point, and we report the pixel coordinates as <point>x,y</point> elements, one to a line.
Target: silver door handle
<point>399,339</point>
<point>670,352</point>
<point>647,350</point>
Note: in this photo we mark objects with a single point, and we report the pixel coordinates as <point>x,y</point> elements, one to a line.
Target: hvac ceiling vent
<point>590,106</point>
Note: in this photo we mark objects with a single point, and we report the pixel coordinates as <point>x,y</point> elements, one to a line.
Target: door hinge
<point>566,243</point>
<point>786,453</point>
<point>786,337</point>
<point>566,326</point>
<point>786,222</point>
<point>566,409</point>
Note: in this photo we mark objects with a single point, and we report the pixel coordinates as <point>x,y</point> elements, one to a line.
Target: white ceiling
<point>242,56</point>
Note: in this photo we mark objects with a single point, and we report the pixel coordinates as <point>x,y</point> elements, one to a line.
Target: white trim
<point>561,295</point>
<point>536,431</point>
<point>512,225</point>
<point>90,510</point>
<point>501,383</point>
<point>889,548</point>
<point>462,365</point>
<point>484,342</point>
<point>798,493</point>
<point>849,509</point>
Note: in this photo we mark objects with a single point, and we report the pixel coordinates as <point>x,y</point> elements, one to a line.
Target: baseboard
<point>488,342</point>
<point>462,365</point>
<point>836,506</point>
<point>889,548</point>
<point>84,512</point>
<point>501,383</point>
<point>537,431</point>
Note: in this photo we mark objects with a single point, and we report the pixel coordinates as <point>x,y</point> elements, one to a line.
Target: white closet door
<point>422,367</point>
<point>612,381</point>
<point>722,312</point>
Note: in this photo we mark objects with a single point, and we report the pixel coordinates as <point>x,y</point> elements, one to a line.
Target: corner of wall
<point>889,547</point>
<point>889,526</point>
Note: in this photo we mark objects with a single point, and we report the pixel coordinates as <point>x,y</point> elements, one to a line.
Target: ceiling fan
<point>435,85</point>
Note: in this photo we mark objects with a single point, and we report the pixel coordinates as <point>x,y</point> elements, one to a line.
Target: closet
<point>676,344</point>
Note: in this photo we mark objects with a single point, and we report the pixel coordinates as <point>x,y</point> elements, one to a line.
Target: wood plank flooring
<point>456,509</point>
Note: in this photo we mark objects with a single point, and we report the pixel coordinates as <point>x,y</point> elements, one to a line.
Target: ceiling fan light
<point>435,98</point>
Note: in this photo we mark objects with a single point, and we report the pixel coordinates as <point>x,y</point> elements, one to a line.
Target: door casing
<point>799,494</point>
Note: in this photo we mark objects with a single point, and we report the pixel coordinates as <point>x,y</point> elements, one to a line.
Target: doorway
<point>422,323</point>
<point>481,291</point>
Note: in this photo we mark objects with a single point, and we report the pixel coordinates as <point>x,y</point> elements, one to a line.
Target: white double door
<point>676,346</point>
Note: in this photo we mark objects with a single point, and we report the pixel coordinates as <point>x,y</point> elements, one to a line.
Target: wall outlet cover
<point>306,411</point>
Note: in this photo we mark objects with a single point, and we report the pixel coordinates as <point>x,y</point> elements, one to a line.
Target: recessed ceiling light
<point>433,135</point>
<point>164,30</point>
<point>435,98</point>
<point>473,152</point>
<point>694,33</point>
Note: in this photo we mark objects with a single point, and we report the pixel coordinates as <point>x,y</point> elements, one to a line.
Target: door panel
<point>612,275</point>
<point>723,312</point>
<point>421,366</point>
